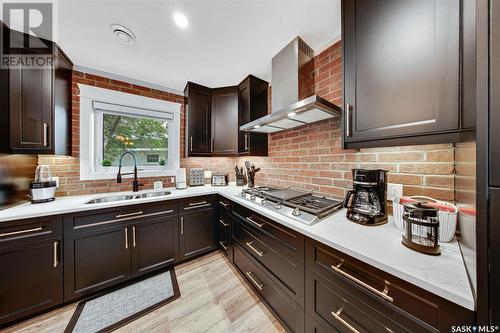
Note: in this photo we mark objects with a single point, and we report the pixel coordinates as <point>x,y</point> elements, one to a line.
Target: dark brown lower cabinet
<point>313,326</point>
<point>31,272</point>
<point>154,244</point>
<point>289,313</point>
<point>198,233</point>
<point>96,259</point>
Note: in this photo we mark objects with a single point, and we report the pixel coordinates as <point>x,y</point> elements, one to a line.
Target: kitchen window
<point>120,122</point>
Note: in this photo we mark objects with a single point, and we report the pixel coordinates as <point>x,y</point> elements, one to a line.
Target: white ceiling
<point>225,40</point>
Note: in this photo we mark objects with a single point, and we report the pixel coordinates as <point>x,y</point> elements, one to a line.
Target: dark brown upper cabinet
<point>225,121</point>
<point>214,115</point>
<point>252,93</point>
<point>198,125</point>
<point>39,106</point>
<point>404,62</point>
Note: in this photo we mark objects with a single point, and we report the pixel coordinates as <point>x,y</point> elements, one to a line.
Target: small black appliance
<point>366,202</point>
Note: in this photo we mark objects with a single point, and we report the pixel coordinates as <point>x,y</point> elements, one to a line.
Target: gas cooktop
<point>299,205</point>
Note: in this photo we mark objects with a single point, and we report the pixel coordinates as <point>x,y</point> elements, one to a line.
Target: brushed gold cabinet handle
<point>260,225</point>
<point>260,253</point>
<point>126,238</point>
<point>336,315</point>
<point>348,276</point>
<point>257,284</point>
<point>133,236</point>
<point>56,257</point>
<point>45,134</point>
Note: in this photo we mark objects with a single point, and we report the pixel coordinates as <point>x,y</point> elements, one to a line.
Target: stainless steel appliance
<point>220,179</point>
<point>299,205</point>
<point>196,177</point>
<point>421,228</point>
<point>365,203</point>
<point>43,189</point>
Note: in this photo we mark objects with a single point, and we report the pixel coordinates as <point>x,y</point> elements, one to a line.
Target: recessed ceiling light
<point>256,126</point>
<point>123,34</point>
<point>181,20</point>
<point>292,114</point>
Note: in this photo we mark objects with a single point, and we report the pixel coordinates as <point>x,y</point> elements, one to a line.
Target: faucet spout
<point>135,183</point>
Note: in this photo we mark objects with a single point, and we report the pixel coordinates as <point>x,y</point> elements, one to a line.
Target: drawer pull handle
<point>224,204</point>
<point>133,236</point>
<point>56,257</point>
<point>260,225</point>
<point>257,284</point>
<point>224,223</point>
<point>126,238</point>
<point>197,205</point>
<point>336,315</point>
<point>12,233</point>
<point>223,246</point>
<point>382,294</point>
<point>260,253</point>
<point>129,214</point>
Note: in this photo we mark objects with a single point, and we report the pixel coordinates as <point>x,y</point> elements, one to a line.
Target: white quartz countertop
<point>379,246</point>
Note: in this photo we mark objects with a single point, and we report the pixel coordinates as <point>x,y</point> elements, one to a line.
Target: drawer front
<point>380,286</point>
<point>287,271</point>
<point>91,220</point>
<point>199,202</point>
<point>288,312</point>
<point>288,242</point>
<point>312,326</point>
<point>21,231</point>
<point>225,239</point>
<point>337,306</point>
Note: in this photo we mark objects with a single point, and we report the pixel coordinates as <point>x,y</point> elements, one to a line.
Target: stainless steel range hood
<point>290,64</point>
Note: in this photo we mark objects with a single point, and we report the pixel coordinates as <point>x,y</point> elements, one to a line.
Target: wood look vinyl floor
<point>214,298</point>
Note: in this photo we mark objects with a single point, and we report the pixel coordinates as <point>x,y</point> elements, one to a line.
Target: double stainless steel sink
<point>127,197</point>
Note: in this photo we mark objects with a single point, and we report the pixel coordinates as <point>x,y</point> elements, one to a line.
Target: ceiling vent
<point>123,34</point>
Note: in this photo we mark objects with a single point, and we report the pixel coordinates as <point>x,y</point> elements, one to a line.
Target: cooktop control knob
<point>263,201</point>
<point>278,205</point>
<point>243,194</point>
<point>252,197</point>
<point>296,212</point>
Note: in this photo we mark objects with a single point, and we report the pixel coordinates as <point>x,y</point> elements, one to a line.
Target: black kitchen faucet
<point>135,183</point>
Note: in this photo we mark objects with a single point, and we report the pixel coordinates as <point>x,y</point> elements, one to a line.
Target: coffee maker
<point>366,202</point>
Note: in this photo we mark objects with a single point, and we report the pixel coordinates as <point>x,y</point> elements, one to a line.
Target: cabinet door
<point>225,121</point>
<point>95,260</point>
<point>30,109</point>
<point>198,119</point>
<point>244,115</point>
<point>401,62</point>
<point>30,278</point>
<point>495,254</point>
<point>154,244</point>
<point>495,96</point>
<point>197,233</point>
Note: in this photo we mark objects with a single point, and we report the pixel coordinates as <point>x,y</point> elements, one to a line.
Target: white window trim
<point>89,94</point>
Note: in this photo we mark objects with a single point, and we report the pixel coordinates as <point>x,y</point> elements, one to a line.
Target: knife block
<point>241,180</point>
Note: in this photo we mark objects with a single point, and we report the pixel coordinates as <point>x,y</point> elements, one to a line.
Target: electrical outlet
<point>56,179</point>
<point>394,190</point>
<point>208,174</point>
<point>172,180</point>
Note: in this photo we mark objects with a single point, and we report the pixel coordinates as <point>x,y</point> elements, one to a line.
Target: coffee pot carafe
<point>365,203</point>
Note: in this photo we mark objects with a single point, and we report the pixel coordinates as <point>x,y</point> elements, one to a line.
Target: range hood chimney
<point>291,65</point>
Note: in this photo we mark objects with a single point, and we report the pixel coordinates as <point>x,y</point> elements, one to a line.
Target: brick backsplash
<point>309,157</point>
